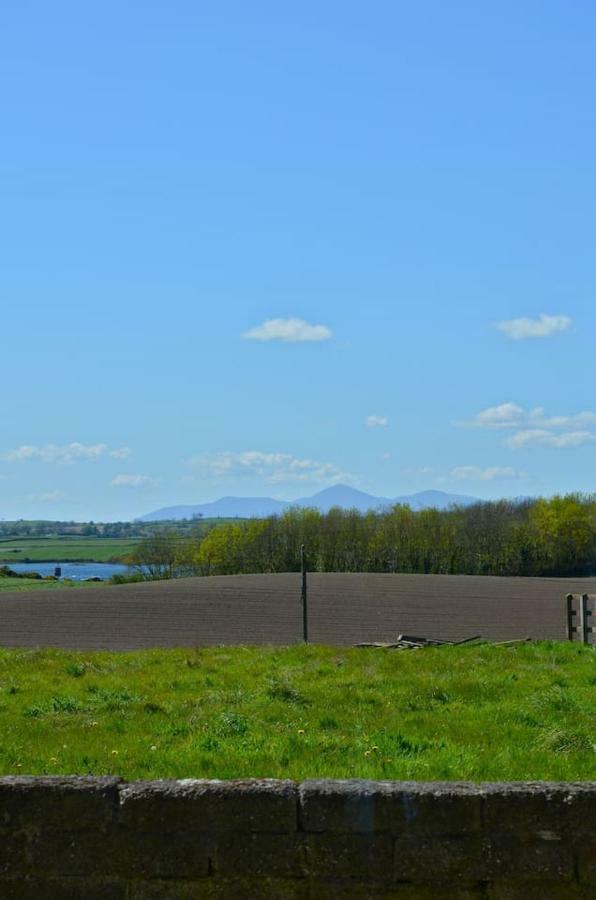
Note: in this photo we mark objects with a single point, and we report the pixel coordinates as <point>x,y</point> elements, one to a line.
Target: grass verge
<point>66,549</point>
<point>34,584</point>
<point>479,713</point>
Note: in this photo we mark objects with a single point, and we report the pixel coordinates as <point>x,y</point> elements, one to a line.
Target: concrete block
<point>548,810</point>
<point>173,889</point>
<point>366,807</point>
<point>513,857</point>
<point>441,859</point>
<point>123,852</point>
<point>251,805</point>
<point>541,890</point>
<point>184,855</point>
<point>586,861</point>
<point>264,855</point>
<point>263,889</point>
<point>345,856</point>
<point>72,853</point>
<point>14,857</point>
<point>351,890</point>
<point>57,802</point>
<point>239,888</point>
<point>43,888</point>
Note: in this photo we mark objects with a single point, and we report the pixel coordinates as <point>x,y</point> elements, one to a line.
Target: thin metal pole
<point>304,595</point>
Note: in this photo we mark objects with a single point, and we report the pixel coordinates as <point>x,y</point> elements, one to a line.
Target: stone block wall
<point>104,839</point>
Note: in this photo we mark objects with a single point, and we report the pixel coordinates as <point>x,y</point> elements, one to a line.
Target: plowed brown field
<point>266,609</point>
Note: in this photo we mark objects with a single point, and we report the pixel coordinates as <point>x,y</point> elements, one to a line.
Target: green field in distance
<point>35,584</point>
<point>64,548</point>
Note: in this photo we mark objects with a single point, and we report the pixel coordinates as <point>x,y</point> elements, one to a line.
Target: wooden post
<point>304,595</point>
<point>570,616</point>
<point>584,619</point>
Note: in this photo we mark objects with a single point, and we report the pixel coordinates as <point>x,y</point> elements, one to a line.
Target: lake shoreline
<point>69,569</point>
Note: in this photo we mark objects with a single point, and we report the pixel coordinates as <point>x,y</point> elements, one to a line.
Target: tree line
<point>544,537</point>
<point>24,528</point>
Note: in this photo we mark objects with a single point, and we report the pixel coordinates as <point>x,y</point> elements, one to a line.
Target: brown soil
<point>263,609</point>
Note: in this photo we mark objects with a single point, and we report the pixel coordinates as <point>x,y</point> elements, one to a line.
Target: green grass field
<point>479,712</point>
<point>34,584</point>
<point>65,549</point>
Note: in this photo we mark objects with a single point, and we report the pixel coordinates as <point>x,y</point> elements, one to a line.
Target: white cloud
<point>543,437</point>
<point>490,473</point>
<point>120,453</point>
<point>67,454</point>
<point>578,421</point>
<point>133,481</point>
<point>273,467</point>
<point>535,428</point>
<point>288,331</point>
<point>47,497</point>
<point>543,326</point>
<point>52,453</point>
<point>507,415</point>
<point>376,421</point>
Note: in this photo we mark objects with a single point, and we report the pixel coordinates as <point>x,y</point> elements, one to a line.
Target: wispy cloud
<point>543,437</point>
<point>47,497</point>
<point>133,481</point>
<point>506,415</point>
<point>53,453</point>
<point>272,467</point>
<point>120,453</point>
<point>489,473</point>
<point>376,421</point>
<point>535,428</point>
<point>542,327</point>
<point>288,331</point>
<point>69,453</point>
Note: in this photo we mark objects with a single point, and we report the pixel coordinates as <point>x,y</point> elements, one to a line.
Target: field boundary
<point>105,838</point>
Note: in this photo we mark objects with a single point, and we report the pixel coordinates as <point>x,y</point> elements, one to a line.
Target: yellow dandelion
<point>114,752</point>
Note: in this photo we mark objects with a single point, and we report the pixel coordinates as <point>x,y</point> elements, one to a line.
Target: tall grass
<point>479,713</point>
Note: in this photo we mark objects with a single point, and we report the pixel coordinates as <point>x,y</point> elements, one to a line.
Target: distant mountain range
<point>339,495</point>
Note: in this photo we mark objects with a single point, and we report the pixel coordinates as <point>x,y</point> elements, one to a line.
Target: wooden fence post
<point>570,616</point>
<point>584,619</point>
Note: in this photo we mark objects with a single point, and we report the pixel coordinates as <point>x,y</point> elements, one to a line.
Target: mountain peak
<point>337,495</point>
<point>344,496</point>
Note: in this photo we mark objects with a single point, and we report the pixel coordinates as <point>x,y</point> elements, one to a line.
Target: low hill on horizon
<point>339,495</point>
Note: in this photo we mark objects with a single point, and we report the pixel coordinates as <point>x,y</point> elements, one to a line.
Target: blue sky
<point>400,181</point>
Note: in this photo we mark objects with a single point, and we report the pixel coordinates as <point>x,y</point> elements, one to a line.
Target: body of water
<point>76,571</point>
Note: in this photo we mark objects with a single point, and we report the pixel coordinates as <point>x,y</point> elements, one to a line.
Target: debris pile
<point>412,642</point>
